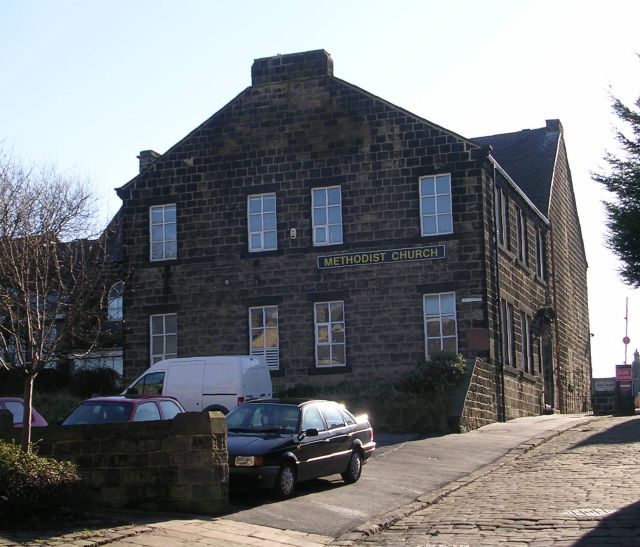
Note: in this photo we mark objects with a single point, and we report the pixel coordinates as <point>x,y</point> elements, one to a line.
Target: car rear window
<point>100,413</point>
<point>147,412</point>
<point>17,410</point>
<point>333,416</point>
<point>348,416</point>
<point>169,409</point>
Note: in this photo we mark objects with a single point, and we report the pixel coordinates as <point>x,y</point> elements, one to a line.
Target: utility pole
<point>626,338</point>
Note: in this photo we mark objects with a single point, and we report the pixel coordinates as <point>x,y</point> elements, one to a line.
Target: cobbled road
<point>579,488</point>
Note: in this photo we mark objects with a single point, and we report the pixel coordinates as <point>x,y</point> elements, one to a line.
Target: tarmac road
<point>395,484</point>
<point>402,469</point>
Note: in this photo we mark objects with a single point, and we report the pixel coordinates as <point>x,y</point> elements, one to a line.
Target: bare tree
<point>51,287</point>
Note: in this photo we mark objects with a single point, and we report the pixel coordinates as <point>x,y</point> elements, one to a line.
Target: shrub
<point>55,405</point>
<point>51,379</point>
<point>437,375</point>
<point>11,382</point>
<point>32,487</point>
<point>417,402</point>
<point>95,381</point>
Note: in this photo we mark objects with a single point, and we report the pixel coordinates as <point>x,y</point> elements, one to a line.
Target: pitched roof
<point>528,157</point>
<point>275,70</point>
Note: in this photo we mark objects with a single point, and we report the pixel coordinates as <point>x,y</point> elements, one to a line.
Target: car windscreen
<point>100,412</point>
<point>268,418</point>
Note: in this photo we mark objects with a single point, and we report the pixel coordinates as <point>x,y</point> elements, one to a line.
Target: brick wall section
<point>569,271</point>
<point>287,137</point>
<point>175,465</point>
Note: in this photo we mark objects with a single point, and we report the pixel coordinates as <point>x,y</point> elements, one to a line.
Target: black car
<point>278,443</point>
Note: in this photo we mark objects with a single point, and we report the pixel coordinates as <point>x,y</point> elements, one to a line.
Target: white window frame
<point>502,217</point>
<point>526,357</point>
<point>261,216</point>
<point>327,208</point>
<point>508,331</point>
<point>521,236</point>
<point>165,243</point>
<point>114,302</point>
<point>540,251</point>
<point>329,326</point>
<point>271,355</point>
<point>440,316</point>
<point>155,357</point>
<point>441,202</point>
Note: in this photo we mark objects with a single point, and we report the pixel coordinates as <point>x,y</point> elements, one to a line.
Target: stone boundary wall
<point>479,408</point>
<point>523,393</point>
<point>174,465</point>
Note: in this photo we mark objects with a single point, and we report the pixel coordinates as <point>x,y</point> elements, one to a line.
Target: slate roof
<point>113,238</point>
<point>528,157</point>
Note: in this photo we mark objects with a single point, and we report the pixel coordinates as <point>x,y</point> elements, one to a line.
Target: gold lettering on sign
<point>378,257</point>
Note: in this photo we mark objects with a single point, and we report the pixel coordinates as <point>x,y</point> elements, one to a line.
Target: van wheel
<point>216,408</point>
<point>285,483</point>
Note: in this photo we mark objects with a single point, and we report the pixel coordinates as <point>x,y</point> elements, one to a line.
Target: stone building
<point>344,238</point>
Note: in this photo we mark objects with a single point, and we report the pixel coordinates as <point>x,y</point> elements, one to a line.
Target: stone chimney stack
<point>554,126</point>
<point>292,66</point>
<point>147,157</point>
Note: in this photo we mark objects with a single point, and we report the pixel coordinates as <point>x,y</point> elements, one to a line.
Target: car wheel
<point>285,483</point>
<point>354,468</point>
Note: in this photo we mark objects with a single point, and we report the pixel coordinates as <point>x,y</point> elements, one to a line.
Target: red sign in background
<point>623,373</point>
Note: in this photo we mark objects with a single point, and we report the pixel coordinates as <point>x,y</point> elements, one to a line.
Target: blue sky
<point>85,85</point>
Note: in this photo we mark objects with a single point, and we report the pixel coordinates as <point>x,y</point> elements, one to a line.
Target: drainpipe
<point>502,407</point>
<point>556,344</point>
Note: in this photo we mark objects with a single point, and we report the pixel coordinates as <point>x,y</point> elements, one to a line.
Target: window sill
<point>260,254</point>
<point>329,246</point>
<point>506,251</point>
<point>521,374</point>
<point>540,280</point>
<point>321,371</point>
<point>444,235</point>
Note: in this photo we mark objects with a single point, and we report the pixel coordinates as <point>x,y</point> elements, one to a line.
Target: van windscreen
<point>149,384</point>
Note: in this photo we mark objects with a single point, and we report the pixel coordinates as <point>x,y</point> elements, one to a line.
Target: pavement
<point>563,478</point>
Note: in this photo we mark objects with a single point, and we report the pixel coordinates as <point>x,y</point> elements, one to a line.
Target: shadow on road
<point>620,528</point>
<point>390,439</point>
<point>241,500</point>
<point>627,432</point>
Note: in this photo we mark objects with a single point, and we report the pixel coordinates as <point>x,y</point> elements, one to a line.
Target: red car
<point>120,409</point>
<point>15,405</point>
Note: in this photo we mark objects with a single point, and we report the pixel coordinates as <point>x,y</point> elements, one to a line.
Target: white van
<point>218,382</point>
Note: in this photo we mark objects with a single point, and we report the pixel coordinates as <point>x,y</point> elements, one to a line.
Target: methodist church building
<point>343,238</point>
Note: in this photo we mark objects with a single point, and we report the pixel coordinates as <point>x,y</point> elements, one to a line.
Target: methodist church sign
<point>381,257</point>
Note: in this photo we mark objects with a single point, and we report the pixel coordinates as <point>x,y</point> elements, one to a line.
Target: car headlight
<point>248,461</point>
